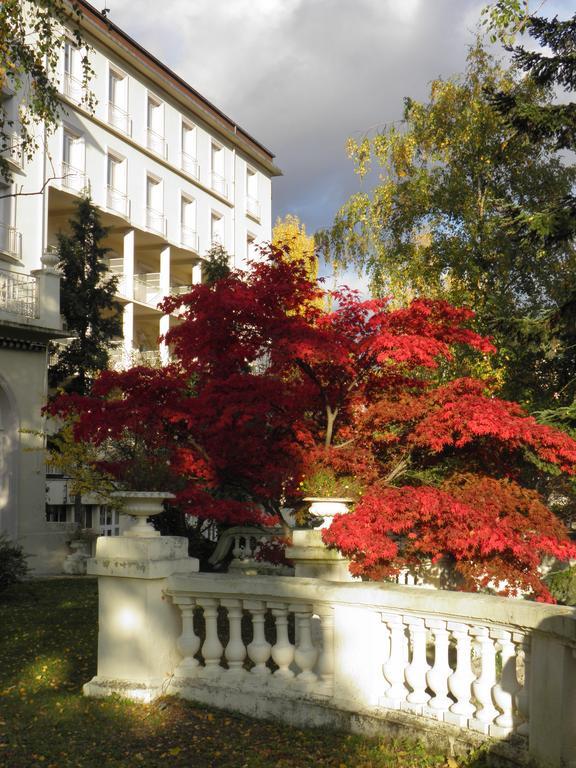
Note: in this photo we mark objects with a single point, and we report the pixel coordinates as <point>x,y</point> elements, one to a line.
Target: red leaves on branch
<point>266,387</point>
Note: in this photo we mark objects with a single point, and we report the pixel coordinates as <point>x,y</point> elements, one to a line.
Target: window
<point>217,229</point>
<point>252,202</point>
<point>188,235</point>
<point>73,162</point>
<point>218,180</point>
<point>155,125</point>
<point>73,72</point>
<point>56,513</point>
<point>155,219</point>
<point>118,101</point>
<point>109,522</point>
<point>250,247</point>
<point>189,162</point>
<point>116,197</point>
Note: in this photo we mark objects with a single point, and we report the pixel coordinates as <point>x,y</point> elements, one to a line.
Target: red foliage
<point>266,384</point>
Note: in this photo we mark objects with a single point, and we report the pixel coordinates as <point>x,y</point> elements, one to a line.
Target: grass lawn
<point>48,634</point>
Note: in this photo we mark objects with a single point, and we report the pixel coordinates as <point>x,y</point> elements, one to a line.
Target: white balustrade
<point>471,673</point>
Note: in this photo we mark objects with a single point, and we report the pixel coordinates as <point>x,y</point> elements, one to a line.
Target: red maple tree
<point>265,386</point>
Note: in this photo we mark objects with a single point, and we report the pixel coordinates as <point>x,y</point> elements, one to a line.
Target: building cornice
<point>114,38</point>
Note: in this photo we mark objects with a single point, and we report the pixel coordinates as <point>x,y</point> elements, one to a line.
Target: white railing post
<point>282,650</point>
<point>259,649</point>
<point>235,651</point>
<point>418,667</point>
<point>394,667</point>
<point>188,642</point>
<point>306,653</point>
<point>460,681</point>
<point>326,661</point>
<point>483,686</point>
<point>437,677</point>
<point>505,690</point>
<point>212,647</point>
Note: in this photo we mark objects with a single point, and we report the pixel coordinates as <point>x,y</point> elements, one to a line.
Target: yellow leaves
<point>174,751</point>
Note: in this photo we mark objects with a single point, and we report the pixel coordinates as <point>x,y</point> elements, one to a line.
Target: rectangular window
<point>218,173</point>
<point>73,72</point>
<point>155,219</point>
<point>155,127</point>
<point>252,201</point>
<point>118,101</point>
<point>73,161</point>
<point>117,200</point>
<point>189,163</point>
<point>217,229</point>
<point>109,522</point>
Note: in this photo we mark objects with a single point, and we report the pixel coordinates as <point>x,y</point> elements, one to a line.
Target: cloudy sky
<point>303,75</point>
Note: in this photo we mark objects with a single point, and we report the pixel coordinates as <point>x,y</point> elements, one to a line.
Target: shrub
<point>13,565</point>
<point>562,585</point>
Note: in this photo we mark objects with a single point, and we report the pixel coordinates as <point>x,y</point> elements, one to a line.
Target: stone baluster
<point>394,667</point>
<point>235,651</point>
<point>188,643</point>
<point>523,695</point>
<point>460,681</point>
<point>483,686</point>
<point>305,654</point>
<point>249,549</point>
<point>418,667</point>
<point>259,649</point>
<point>212,647</point>
<point>326,661</point>
<point>437,676</point>
<point>237,549</point>
<point>282,650</point>
<point>507,687</point>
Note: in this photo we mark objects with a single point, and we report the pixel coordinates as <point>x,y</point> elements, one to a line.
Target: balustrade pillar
<point>483,686</point>
<point>212,647</point>
<point>507,687</point>
<point>235,651</point>
<point>394,667</point>
<point>523,695</point>
<point>418,667</point>
<point>305,654</point>
<point>188,643</point>
<point>460,681</point>
<point>326,661</point>
<point>437,676</point>
<point>282,650</point>
<point>259,649</point>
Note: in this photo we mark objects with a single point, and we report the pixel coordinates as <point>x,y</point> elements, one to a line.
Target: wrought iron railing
<point>190,165</point>
<point>118,201</point>
<point>189,237</point>
<point>156,221</point>
<point>157,143</point>
<point>119,118</point>
<point>74,179</point>
<point>19,294</point>
<point>10,241</point>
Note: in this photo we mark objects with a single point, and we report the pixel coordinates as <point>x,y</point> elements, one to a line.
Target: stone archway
<point>9,440</point>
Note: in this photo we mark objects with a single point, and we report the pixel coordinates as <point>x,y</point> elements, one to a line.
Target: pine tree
<point>87,302</point>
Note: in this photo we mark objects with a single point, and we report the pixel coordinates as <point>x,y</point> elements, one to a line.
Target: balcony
<point>190,165</point>
<point>219,184</point>
<point>147,288</point>
<point>253,207</point>
<point>74,179</point>
<point>189,238</point>
<point>156,221</point>
<point>73,88</point>
<point>19,294</point>
<point>10,242</point>
<point>118,202</point>
<point>156,143</point>
<point>13,150</point>
<point>119,118</point>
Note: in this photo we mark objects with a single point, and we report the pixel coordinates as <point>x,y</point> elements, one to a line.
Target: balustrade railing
<point>189,165</point>
<point>74,179</point>
<point>73,88</point>
<point>10,241</point>
<point>156,221</point>
<point>244,543</point>
<point>157,143</point>
<point>118,201</point>
<point>189,237</point>
<point>18,294</point>
<point>465,660</point>
<point>12,150</point>
<point>219,184</point>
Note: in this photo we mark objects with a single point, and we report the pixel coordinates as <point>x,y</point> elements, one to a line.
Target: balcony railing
<point>74,179</point>
<point>156,221</point>
<point>189,237</point>
<point>117,201</point>
<point>253,207</point>
<point>219,184</point>
<point>73,88</point>
<point>10,242</point>
<point>147,288</point>
<point>13,150</point>
<point>119,118</point>
<point>18,294</point>
<point>157,143</point>
<point>190,165</point>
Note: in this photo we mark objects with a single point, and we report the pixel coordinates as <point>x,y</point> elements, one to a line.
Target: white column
<point>165,281</point>
<point>483,686</point>
<point>460,681</point>
<point>235,651</point>
<point>212,647</point>
<point>197,273</point>
<point>437,677</point>
<point>282,650</point>
<point>305,654</point>
<point>395,666</point>
<point>127,288</point>
<point>418,667</point>
<point>259,649</point>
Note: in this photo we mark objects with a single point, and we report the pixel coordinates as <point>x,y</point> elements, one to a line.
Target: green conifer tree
<point>87,302</point>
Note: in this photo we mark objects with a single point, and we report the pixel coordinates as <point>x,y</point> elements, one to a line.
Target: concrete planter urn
<point>325,508</point>
<point>140,505</point>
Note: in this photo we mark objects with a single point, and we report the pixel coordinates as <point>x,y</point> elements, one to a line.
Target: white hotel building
<point>171,175</point>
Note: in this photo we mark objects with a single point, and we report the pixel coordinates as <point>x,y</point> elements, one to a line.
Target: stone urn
<point>140,505</point>
<point>326,508</point>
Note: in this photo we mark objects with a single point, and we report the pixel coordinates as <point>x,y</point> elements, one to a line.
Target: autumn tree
<point>442,218</point>
<point>87,302</point>
<point>31,43</point>
<point>289,234</point>
<point>446,470</point>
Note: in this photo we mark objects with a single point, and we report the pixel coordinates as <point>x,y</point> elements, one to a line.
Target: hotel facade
<point>171,175</point>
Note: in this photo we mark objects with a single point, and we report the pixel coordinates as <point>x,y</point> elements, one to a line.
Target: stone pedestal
<point>312,559</point>
<point>138,626</point>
